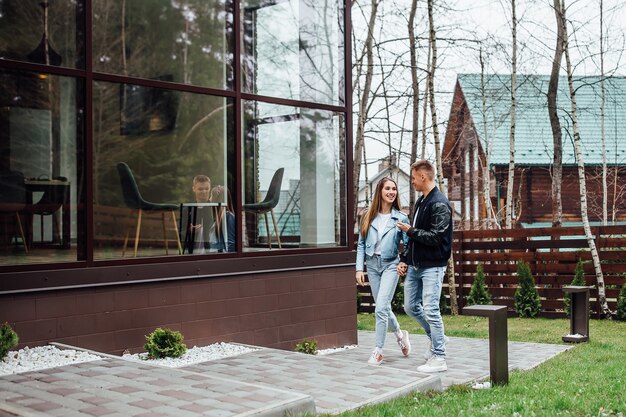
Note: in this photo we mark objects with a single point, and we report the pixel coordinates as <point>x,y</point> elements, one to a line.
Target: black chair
<point>48,205</point>
<point>13,202</point>
<point>134,201</point>
<point>269,202</point>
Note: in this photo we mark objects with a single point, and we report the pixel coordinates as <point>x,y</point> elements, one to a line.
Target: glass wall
<point>302,147</point>
<point>188,42</point>
<point>150,151</point>
<point>41,180</point>
<point>294,49</point>
<point>149,145</point>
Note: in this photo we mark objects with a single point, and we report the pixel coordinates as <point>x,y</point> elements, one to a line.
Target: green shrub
<point>8,340</point>
<point>621,304</point>
<point>397,302</point>
<point>308,346</point>
<point>579,280</point>
<point>527,303</point>
<point>443,303</point>
<point>479,293</point>
<point>165,343</point>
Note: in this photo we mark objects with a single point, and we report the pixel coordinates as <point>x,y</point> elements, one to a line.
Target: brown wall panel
<point>271,309</point>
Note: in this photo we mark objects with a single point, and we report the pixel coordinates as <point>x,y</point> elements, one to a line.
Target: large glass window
<point>43,31</point>
<point>293,49</point>
<point>293,185</point>
<point>163,170</point>
<point>41,179</point>
<point>188,42</point>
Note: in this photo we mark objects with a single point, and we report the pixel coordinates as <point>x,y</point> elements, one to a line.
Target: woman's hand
<point>401,268</point>
<point>360,278</point>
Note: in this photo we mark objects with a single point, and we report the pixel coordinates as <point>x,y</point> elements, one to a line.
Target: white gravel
<point>194,355</point>
<point>41,357</point>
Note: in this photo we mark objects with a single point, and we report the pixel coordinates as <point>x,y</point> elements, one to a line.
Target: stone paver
<point>266,382</point>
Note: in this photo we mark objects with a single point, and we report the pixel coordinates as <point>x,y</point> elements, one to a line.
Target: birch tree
<point>553,87</point>
<point>415,92</point>
<point>602,119</point>
<point>511,175</point>
<point>363,104</point>
<point>604,307</point>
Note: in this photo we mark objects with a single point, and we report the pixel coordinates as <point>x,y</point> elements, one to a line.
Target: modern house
<point>109,109</point>
<point>477,144</point>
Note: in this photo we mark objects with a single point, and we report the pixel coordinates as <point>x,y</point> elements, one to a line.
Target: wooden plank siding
<point>552,254</point>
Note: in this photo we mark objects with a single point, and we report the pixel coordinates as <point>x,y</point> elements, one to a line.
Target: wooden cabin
<point>477,141</point>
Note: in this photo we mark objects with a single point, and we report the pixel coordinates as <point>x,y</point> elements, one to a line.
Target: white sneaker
<point>404,343</point>
<point>434,364</point>
<point>376,358</point>
<point>428,352</point>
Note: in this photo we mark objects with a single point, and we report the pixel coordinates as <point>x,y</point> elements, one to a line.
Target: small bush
<point>579,280</point>
<point>527,303</point>
<point>308,346</point>
<point>621,304</point>
<point>165,343</point>
<point>479,293</point>
<point>8,340</point>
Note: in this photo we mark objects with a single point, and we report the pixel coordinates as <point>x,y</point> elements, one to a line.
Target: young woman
<point>379,241</point>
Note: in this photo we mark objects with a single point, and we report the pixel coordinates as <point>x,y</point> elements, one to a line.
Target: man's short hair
<point>426,166</point>
<point>201,178</point>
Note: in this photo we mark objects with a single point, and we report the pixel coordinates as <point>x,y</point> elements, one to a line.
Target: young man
<point>201,187</point>
<point>430,246</point>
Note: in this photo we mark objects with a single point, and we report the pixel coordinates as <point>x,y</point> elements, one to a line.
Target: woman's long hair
<point>376,205</point>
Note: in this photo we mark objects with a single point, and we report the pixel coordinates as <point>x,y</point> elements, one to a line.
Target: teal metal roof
<point>533,134</point>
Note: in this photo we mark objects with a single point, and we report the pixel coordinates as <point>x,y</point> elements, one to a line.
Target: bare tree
<point>363,104</point>
<point>511,175</point>
<point>415,91</point>
<point>602,108</point>
<point>553,87</point>
<point>581,174</point>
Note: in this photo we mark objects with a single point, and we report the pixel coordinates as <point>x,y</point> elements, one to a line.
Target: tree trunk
<point>432,41</point>
<point>553,87</point>
<point>416,93</point>
<point>605,195</point>
<point>511,177</point>
<point>605,312</point>
<point>492,220</point>
<point>363,106</point>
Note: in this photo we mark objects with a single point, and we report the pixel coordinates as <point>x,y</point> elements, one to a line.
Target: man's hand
<point>401,268</point>
<point>360,278</point>
<point>403,226</point>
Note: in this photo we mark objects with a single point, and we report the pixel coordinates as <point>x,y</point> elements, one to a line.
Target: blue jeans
<point>383,279</point>
<point>422,289</point>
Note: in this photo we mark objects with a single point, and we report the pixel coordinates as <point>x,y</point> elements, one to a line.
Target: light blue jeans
<point>383,279</point>
<point>422,289</point>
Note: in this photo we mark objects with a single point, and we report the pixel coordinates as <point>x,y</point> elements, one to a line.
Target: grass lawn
<point>588,380</point>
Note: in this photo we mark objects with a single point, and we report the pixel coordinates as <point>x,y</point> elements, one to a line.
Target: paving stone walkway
<point>266,382</point>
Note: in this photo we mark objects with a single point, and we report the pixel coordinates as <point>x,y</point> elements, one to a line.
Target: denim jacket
<point>389,243</point>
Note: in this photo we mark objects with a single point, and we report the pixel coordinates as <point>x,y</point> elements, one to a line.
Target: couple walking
<point>426,246</point>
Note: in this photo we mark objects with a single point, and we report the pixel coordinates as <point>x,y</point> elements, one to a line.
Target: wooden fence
<point>552,254</point>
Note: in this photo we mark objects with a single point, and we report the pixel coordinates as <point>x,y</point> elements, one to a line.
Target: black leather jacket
<point>430,237</point>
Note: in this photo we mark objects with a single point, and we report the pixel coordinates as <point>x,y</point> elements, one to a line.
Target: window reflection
<point>293,49</point>
<point>302,148</point>
<point>149,145</point>
<point>41,142</point>
<point>45,32</point>
<point>187,42</point>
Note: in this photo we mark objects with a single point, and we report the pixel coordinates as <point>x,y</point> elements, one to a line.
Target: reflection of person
<point>201,187</point>
<point>379,241</point>
<point>430,246</point>
<point>223,241</point>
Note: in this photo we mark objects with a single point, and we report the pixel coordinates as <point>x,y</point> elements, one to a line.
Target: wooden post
<point>498,340</point>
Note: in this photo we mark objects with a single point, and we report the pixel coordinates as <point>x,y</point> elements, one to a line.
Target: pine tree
<point>479,293</point>
<point>579,280</point>
<point>527,303</point>
<point>621,304</point>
